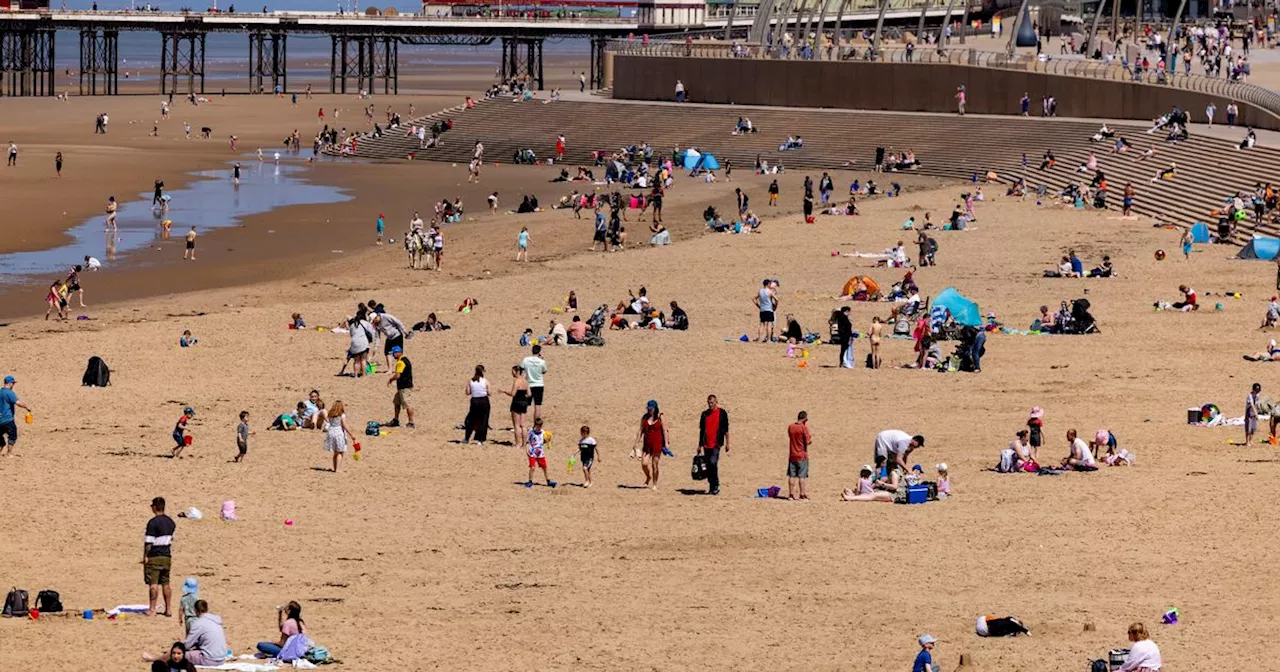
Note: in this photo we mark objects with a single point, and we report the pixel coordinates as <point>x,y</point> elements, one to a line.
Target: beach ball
<point>1159,255</point>
<point>546,436</point>
<point>1209,412</point>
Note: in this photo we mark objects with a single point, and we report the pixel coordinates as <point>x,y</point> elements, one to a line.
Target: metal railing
<point>251,17</point>
<point>1258,96</point>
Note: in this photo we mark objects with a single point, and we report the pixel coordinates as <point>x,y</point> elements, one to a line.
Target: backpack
<point>1099,666</point>
<point>372,428</point>
<point>97,374</point>
<point>318,655</point>
<point>15,604</point>
<point>48,602</point>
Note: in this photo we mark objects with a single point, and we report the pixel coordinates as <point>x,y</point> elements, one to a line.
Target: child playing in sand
<point>179,431</point>
<point>586,453</point>
<point>537,454</point>
<point>865,491</point>
<point>298,322</point>
<point>944,481</point>
<point>242,437</point>
<point>527,338</point>
<point>187,339</point>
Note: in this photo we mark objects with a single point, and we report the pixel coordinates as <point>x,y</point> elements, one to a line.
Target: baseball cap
<point>652,404</point>
<point>942,466</point>
<point>189,411</point>
<point>10,379</point>
<point>916,467</point>
<point>396,350</point>
<point>926,639</point>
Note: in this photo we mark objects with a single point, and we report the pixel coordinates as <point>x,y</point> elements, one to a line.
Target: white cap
<point>942,466</point>
<point>926,639</point>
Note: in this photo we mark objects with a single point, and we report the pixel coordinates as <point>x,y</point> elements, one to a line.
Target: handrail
<point>1261,97</point>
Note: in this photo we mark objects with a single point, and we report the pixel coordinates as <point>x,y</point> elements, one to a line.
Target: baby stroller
<point>595,327</point>
<point>1080,320</point>
<point>906,319</point>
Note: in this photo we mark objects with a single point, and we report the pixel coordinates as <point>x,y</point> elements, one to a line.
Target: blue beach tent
<point>1200,232</point>
<point>1261,247</point>
<point>963,311</point>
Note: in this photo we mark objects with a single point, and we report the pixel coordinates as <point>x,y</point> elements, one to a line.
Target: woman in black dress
<point>519,394</point>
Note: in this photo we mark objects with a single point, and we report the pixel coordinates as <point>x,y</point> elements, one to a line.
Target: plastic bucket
<point>186,440</point>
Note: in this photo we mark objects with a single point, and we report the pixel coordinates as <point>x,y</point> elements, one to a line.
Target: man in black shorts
<point>535,367</point>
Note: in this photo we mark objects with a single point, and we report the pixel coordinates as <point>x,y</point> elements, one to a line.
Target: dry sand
<point>429,555</point>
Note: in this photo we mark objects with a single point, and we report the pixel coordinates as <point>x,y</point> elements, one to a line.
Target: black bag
<point>699,470</point>
<point>1099,666</point>
<point>97,374</point>
<point>15,604</point>
<point>48,602</point>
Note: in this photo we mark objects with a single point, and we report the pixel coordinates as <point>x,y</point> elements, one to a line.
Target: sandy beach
<point>428,554</point>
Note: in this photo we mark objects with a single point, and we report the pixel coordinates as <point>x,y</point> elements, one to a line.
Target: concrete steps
<point>1209,170</point>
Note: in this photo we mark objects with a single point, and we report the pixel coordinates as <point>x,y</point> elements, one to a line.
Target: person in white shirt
<point>1080,458</point>
<point>893,447</point>
<point>92,263</point>
<point>1144,655</point>
<point>535,367</point>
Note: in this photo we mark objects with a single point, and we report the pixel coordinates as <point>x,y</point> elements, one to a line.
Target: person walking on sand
<point>235,174</point>
<point>190,252</point>
<point>57,163</point>
<point>337,432</point>
<point>767,304</point>
<point>157,556</point>
<point>402,377</point>
<point>112,207</point>
<point>653,441</point>
<point>535,368</point>
<point>1187,239</point>
<point>522,244</point>
<point>13,153</point>
<point>8,416</point>
<point>382,226</point>
<point>1250,413</point>
<point>798,441</point>
<point>559,148</point>
<point>713,436</point>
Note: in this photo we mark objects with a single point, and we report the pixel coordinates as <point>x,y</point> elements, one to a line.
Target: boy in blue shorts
<point>179,431</point>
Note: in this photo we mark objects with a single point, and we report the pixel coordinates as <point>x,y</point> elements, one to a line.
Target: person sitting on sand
<point>864,491</point>
<point>1188,302</point>
<point>206,644</point>
<point>1080,457</point>
<point>187,340</point>
<point>1104,270</point>
<point>313,408</point>
<point>1018,456</point>
<point>793,334</point>
<point>173,661</point>
<point>556,334</point>
<point>1063,270</point>
<point>289,620</point>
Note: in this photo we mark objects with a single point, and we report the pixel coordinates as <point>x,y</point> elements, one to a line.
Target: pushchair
<point>1078,320</point>
<point>595,327</point>
<point>904,321</point>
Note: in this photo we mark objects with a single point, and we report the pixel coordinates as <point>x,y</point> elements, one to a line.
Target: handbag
<point>699,470</point>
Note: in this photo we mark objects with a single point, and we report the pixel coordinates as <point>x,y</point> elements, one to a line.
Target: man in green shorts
<point>157,556</point>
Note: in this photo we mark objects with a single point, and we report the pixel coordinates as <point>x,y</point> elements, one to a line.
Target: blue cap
<point>652,404</point>
<point>190,585</point>
<point>396,350</point>
<point>10,379</point>
<point>916,467</point>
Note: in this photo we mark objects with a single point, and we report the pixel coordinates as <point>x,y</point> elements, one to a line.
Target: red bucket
<point>186,440</point>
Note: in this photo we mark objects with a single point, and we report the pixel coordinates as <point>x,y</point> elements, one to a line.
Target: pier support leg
<point>182,60</point>
<point>522,58</point>
<point>99,62</point>
<point>596,79</point>
<point>27,62</point>
<point>268,62</point>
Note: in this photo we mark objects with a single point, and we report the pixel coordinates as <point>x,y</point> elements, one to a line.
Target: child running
<point>537,454</point>
<point>522,244</point>
<point>242,437</point>
<point>586,454</point>
<point>179,431</point>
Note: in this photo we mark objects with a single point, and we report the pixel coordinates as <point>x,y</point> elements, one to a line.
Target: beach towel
<point>128,609</point>
<point>241,667</point>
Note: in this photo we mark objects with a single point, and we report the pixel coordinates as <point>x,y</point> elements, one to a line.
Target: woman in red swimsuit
<point>653,439</point>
